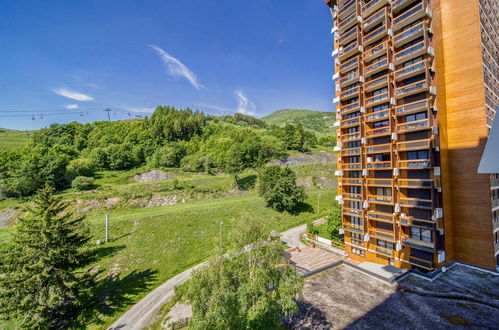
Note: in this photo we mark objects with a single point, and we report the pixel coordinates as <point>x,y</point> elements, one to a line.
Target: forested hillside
<point>319,122</point>
<point>171,138</point>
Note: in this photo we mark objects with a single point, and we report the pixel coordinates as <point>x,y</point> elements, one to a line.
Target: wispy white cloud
<point>71,94</point>
<point>216,107</point>
<point>72,106</point>
<point>177,68</point>
<point>138,109</point>
<point>244,106</point>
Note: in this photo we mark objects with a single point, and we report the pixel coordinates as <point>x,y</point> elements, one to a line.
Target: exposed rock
<point>151,176</point>
<point>8,216</point>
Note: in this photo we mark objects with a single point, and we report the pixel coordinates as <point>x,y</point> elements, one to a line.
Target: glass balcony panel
<point>375,35</point>
<point>378,131</point>
<point>375,19</point>
<point>351,78</point>
<point>350,64</point>
<point>410,16</point>
<point>376,67</point>
<point>376,51</point>
<point>398,5</point>
<point>350,137</point>
<point>384,251</point>
<point>381,216</point>
<point>413,126</point>
<point>377,99</point>
<point>378,115</point>
<point>413,51</point>
<point>376,83</point>
<point>415,183</point>
<point>380,148</point>
<point>411,89</point>
<point>347,9</point>
<point>421,263</point>
<point>382,234</point>
<point>348,22</point>
<point>418,244</point>
<point>414,164</point>
<point>414,145</point>
<point>413,107</point>
<point>379,182</point>
<point>380,199</point>
<point>350,35</point>
<point>356,197</point>
<point>416,202</point>
<point>351,181</point>
<point>350,152</point>
<point>350,122</point>
<point>349,108</point>
<point>409,34</point>
<point>406,220</point>
<point>411,70</point>
<point>351,166</point>
<point>379,165</point>
<point>349,93</point>
<point>349,51</point>
<point>372,6</point>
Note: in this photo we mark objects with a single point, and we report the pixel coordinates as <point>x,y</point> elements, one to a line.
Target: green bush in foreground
<point>279,190</point>
<point>82,183</point>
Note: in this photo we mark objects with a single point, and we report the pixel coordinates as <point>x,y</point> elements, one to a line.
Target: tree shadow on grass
<point>248,182</point>
<point>106,251</point>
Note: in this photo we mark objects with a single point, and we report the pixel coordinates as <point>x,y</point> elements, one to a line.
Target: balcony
<point>351,166</point>
<point>354,229</point>
<point>416,202</point>
<point>418,244</point>
<point>379,182</point>
<point>351,181</point>
<point>410,34</point>
<point>353,212</point>
<point>376,51</point>
<point>350,152</point>
<point>412,70</point>
<point>412,107</point>
<point>350,137</point>
<point>379,165</point>
<point>387,200</point>
<point>415,183</point>
<point>376,67</point>
<point>407,54</point>
<point>398,5</point>
<point>380,216</point>
<point>350,122</point>
<point>384,251</point>
<point>347,9</point>
<point>380,148</point>
<point>414,145</point>
<point>421,263</point>
<point>372,6</point>
<point>356,242</point>
<point>350,64</point>
<point>350,93</point>
<point>413,126</point>
<point>411,221</point>
<point>386,235</point>
<point>417,164</point>
<point>377,99</point>
<point>419,11</point>
<point>352,34</point>
<point>352,107</point>
<point>382,131</point>
<point>350,79</point>
<point>375,19</point>
<point>349,22</point>
<point>376,84</point>
<point>350,50</point>
<point>355,197</point>
<point>414,88</point>
<point>378,115</point>
<point>376,35</point>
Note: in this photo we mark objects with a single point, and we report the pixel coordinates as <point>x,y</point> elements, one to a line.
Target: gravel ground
<point>343,298</point>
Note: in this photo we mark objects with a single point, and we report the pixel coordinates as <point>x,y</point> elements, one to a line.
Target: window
<point>355,205</point>
<point>358,251</point>
<point>416,116</point>
<point>384,244</point>
<point>353,114</point>
<point>354,159</point>
<point>353,144</point>
<point>357,236</point>
<point>354,174</point>
<point>380,91</point>
<point>352,100</point>
<point>420,154</point>
<point>356,221</point>
<point>382,123</point>
<point>381,157</point>
<point>413,61</point>
<point>380,107</point>
<point>383,191</point>
<point>421,234</point>
<point>355,190</point>
<point>353,129</point>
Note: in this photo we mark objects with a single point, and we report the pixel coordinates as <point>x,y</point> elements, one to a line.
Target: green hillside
<point>319,122</point>
<point>10,139</point>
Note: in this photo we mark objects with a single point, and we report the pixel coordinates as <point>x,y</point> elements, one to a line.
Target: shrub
<point>312,229</point>
<point>82,183</point>
<point>278,188</point>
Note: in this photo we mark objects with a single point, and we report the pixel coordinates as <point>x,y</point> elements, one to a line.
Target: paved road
<point>142,313</point>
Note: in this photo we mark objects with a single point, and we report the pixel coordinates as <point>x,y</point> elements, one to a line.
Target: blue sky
<point>221,56</point>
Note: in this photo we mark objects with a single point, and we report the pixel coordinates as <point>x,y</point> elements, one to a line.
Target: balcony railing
<point>351,166</point>
<point>350,122</point>
<point>376,67</point>
<point>356,197</point>
<point>352,212</point>
<point>412,70</point>
<point>413,51</point>
<point>384,251</point>
<point>372,6</point>
<point>406,220</point>
<point>414,145</point>
<point>414,164</point>
<point>379,182</point>
<point>380,148</point>
<point>375,51</point>
<point>382,234</point>
<point>416,202</point>
<point>415,183</point>
<point>355,106</point>
<point>380,199</point>
<point>375,35</point>
<point>421,263</point>
<point>380,216</point>
<point>414,88</point>
<point>350,64</point>
<point>378,131</point>
<point>494,182</point>
<point>354,229</point>
<point>413,126</point>
<point>357,242</point>
<point>419,11</point>
<point>350,152</point>
<point>347,9</point>
<point>350,35</point>
<point>348,22</point>
<point>349,50</point>
<point>379,165</point>
<point>376,83</point>
<point>352,92</point>
<point>398,5</point>
<point>350,137</point>
<point>408,35</point>
<point>350,79</point>
<point>351,181</point>
<point>377,99</point>
<point>378,115</point>
<point>413,107</point>
<point>418,244</point>
<point>375,19</point>
<point>495,203</point>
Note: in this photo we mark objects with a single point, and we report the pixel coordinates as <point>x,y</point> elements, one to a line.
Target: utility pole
<point>108,110</point>
<point>107,228</point>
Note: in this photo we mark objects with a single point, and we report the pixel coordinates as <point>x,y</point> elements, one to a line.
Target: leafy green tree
<point>334,223</point>
<point>43,280</point>
<point>277,186</point>
<point>82,183</point>
<point>169,155</point>
<point>80,167</point>
<point>245,290</point>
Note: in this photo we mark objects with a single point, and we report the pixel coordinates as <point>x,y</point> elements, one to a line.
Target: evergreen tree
<point>43,280</point>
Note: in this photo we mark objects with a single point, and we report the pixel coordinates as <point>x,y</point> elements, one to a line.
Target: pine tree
<point>44,283</point>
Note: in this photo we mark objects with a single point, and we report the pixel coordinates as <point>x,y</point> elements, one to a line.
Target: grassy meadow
<point>10,139</point>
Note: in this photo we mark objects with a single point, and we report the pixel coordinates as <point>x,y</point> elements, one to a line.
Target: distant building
<point>417,85</point>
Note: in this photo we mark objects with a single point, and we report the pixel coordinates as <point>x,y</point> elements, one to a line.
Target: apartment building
<point>416,87</point>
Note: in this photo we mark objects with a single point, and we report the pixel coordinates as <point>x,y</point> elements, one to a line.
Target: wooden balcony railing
<point>375,67</point>
<point>413,126</point>
<point>378,115</point>
<point>415,183</point>
<point>372,6</point>
<point>377,99</point>
<point>418,244</point>
<point>380,199</point>
<point>410,34</point>
<point>379,148</point>
<point>379,182</point>
<point>398,5</point>
<point>380,216</point>
<point>407,220</point>
<point>419,11</point>
<point>348,108</point>
<point>375,35</point>
<point>412,70</point>
<point>350,122</point>
<point>376,51</point>
<point>374,19</point>
<point>379,165</point>
<point>352,92</point>
<point>350,152</point>
<point>412,107</point>
<point>415,164</point>
<point>352,212</point>
<point>351,181</point>
<point>349,50</point>
<point>347,9</point>
<point>350,137</point>
<point>414,88</point>
<point>376,83</point>
<point>421,263</point>
<point>412,51</point>
<point>357,230</point>
<point>357,197</point>
<point>416,202</point>
<point>350,64</point>
<point>414,145</point>
<point>378,132</point>
<point>352,34</point>
<point>348,22</point>
<point>384,251</point>
<point>382,234</point>
<point>351,166</point>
